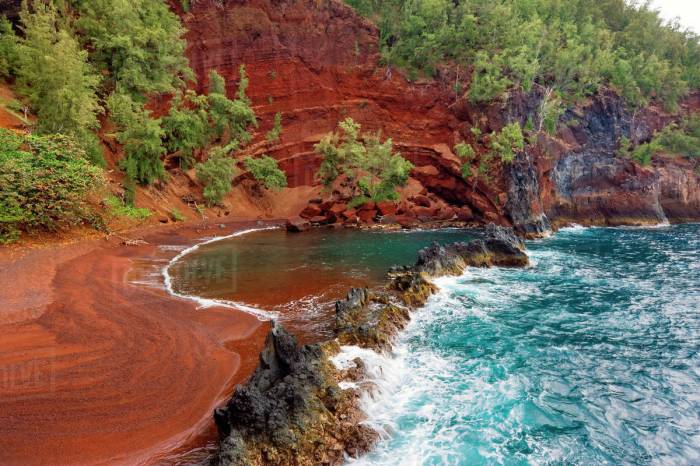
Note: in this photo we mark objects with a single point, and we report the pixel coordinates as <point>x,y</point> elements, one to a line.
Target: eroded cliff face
<point>317,62</point>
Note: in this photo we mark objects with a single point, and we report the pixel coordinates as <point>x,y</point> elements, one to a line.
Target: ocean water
<point>589,356</point>
<point>295,278</point>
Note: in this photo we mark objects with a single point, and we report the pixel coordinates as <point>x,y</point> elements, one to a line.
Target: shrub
<point>45,182</point>
<point>677,138</point>
<point>216,174</point>
<point>141,137</point>
<point>371,166</point>
<point>176,215</point>
<point>123,209</point>
<point>464,151</point>
<point>507,142</point>
<point>276,131</point>
<point>266,171</point>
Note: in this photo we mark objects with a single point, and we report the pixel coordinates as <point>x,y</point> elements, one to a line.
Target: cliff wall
<point>317,62</point>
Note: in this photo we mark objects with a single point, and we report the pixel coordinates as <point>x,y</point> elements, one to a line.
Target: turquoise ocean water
<point>589,356</point>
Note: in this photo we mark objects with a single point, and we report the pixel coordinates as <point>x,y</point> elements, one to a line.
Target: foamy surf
<point>203,303</point>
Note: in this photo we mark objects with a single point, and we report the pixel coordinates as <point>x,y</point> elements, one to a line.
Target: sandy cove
<point>97,370</point>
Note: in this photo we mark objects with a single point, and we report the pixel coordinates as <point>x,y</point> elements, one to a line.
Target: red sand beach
<point>97,370</point>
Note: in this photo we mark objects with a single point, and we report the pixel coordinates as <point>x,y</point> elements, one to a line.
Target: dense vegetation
<point>372,168</point>
<point>676,139</point>
<point>568,47</point>
<point>266,171</point>
<point>44,184</point>
<point>78,63</point>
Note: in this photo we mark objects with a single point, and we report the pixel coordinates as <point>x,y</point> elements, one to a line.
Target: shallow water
<point>590,356</point>
<point>298,277</point>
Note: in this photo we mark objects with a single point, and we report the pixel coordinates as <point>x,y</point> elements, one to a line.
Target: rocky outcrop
<point>293,410</point>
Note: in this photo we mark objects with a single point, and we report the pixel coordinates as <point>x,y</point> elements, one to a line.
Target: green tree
<point>216,174</point>
<point>138,41</point>
<point>507,142</point>
<point>8,48</point>
<point>230,119</point>
<point>276,131</point>
<point>266,171</point>
<point>142,138</point>
<point>186,127</point>
<point>54,75</point>
<point>372,167</point>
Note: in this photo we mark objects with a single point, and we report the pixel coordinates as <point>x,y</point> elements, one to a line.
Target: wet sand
<point>97,370</point>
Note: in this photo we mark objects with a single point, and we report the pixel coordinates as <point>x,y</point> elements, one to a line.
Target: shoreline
<point>96,369</point>
<point>63,288</point>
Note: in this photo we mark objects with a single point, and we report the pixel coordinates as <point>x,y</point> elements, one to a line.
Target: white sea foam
<point>203,303</point>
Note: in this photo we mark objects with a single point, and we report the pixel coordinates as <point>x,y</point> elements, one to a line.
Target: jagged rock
<point>291,411</point>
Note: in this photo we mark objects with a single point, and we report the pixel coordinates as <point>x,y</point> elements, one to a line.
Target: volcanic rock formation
<point>293,410</point>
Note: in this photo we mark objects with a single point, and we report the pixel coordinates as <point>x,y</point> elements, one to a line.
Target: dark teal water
<point>590,356</point>
<point>298,277</point>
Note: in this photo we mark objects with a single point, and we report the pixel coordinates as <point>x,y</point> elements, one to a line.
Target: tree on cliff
<point>573,46</point>
<point>216,174</point>
<point>138,41</point>
<point>371,166</point>
<point>141,136</point>
<point>267,172</point>
<point>54,75</point>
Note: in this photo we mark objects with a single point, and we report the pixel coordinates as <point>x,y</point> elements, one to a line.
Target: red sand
<point>97,370</point>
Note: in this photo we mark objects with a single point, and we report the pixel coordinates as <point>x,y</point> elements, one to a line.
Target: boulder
<point>367,216</point>
<point>387,208</point>
<point>338,208</point>
<point>311,210</point>
<point>421,200</point>
<point>297,225</point>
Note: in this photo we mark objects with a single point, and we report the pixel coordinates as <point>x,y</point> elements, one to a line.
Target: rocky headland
<point>293,411</point>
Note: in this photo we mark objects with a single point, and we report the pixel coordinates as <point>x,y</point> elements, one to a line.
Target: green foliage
<point>122,209</point>
<point>54,76</point>
<point>8,48</point>
<point>550,112</point>
<point>230,119</point>
<point>186,127</point>
<point>266,171</point>
<point>507,142</point>
<point>573,46</point>
<point>276,131</point>
<point>371,166</point>
<point>141,137</point>
<point>467,171</point>
<point>216,174</point>
<point>677,138</point>
<point>138,41</point>
<point>176,215</point>
<point>45,182</point>
<point>487,81</point>
<point>464,151</point>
